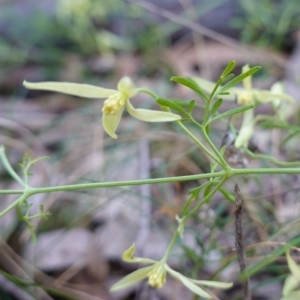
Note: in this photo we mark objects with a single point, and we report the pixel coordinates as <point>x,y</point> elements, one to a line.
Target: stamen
<point>114,103</point>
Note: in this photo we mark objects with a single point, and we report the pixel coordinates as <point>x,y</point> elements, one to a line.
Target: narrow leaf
<point>207,191</point>
<point>227,195</point>
<point>191,84</point>
<point>238,79</point>
<point>231,112</point>
<point>231,65</point>
<point>227,77</point>
<point>207,129</point>
<point>187,204</point>
<point>191,106</point>
<point>216,106</point>
<point>170,104</point>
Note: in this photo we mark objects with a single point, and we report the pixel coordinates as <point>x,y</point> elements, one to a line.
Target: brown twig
<point>239,242</point>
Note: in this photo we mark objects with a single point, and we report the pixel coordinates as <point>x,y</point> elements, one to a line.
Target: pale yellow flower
<point>247,94</point>
<point>113,106</point>
<point>291,289</point>
<point>157,273</point>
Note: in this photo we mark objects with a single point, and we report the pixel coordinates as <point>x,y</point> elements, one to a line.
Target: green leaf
<point>171,104</point>
<point>216,106</point>
<point>227,77</point>
<point>238,79</point>
<point>273,124</point>
<point>196,191</point>
<point>191,84</point>
<point>231,65</point>
<point>191,106</point>
<point>227,195</point>
<point>207,129</point>
<point>188,203</point>
<point>231,112</point>
<point>207,191</point>
<point>289,137</point>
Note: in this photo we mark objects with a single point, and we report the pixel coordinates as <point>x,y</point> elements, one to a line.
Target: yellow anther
<point>114,103</point>
<point>157,276</point>
<point>245,98</point>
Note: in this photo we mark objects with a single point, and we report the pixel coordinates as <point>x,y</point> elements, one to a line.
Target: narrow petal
<point>294,268</point>
<point>292,296</point>
<point>188,283</point>
<point>217,284</point>
<point>247,129</point>
<point>128,256</point>
<point>290,284</point>
<point>75,89</point>
<point>247,82</point>
<point>131,279</point>
<point>148,115</point>
<point>111,122</point>
<point>126,86</point>
<point>265,96</point>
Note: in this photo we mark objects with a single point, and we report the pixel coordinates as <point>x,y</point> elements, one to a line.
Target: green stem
<point>272,159</point>
<point>124,183</point>
<point>201,146</point>
<point>9,168</point>
<point>190,134</point>
<point>205,199</point>
<point>146,91</point>
<point>15,203</point>
<point>170,246</point>
<point>233,172</point>
<point>224,164</point>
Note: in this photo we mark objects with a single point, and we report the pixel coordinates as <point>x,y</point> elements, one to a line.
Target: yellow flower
<point>114,104</point>
<point>245,95</point>
<point>156,274</point>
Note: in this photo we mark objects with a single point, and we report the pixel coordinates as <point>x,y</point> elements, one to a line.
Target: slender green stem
<point>9,168</point>
<point>170,246</point>
<point>201,146</point>
<point>190,134</point>
<point>272,159</point>
<point>146,91</point>
<point>221,161</point>
<point>233,172</point>
<point>124,183</point>
<point>264,171</point>
<point>15,203</point>
<point>205,199</point>
<point>224,164</point>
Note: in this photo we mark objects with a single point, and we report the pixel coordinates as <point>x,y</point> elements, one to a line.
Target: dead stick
<point>239,242</point>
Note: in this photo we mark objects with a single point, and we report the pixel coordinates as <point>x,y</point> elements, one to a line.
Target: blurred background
<point>79,248</point>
